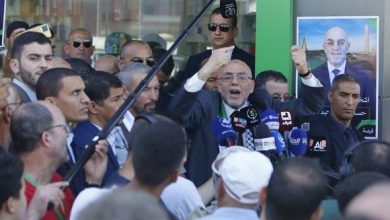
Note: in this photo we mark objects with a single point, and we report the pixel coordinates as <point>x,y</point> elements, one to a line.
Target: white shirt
<point>128,120</point>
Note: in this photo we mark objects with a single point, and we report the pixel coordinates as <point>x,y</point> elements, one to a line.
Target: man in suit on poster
<point>336,47</point>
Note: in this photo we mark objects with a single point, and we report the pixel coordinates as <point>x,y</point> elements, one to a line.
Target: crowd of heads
<point>71,91</point>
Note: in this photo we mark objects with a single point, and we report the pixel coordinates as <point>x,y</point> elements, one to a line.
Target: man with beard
<point>31,56</point>
<point>198,109</point>
<point>131,75</point>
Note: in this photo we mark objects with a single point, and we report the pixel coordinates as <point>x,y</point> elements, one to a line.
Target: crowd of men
<point>197,145</point>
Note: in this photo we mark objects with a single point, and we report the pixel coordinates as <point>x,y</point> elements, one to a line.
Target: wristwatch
<point>306,74</point>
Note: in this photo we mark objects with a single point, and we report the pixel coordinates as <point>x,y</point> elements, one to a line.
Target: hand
<point>43,195</point>
<point>299,58</point>
<point>96,166</point>
<point>219,58</point>
<point>4,91</point>
<point>13,36</point>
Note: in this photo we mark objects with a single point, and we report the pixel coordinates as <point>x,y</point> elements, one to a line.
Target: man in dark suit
<point>336,47</point>
<point>107,95</point>
<point>333,133</point>
<point>197,109</point>
<point>65,88</point>
<point>221,34</point>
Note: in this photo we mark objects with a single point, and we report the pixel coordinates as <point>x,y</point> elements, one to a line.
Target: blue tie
<point>336,72</point>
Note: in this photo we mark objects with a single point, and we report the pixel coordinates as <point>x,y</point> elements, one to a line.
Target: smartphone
<point>43,28</point>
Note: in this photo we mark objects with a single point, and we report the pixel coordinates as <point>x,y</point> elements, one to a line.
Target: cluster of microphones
<point>274,133</point>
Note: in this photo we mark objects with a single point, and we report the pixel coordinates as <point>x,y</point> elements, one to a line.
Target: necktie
<point>336,72</point>
<point>348,134</point>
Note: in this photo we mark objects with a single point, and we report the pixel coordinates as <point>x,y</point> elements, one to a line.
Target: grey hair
<point>127,73</point>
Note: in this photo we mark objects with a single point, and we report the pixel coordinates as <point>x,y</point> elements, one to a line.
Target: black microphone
<point>228,8</point>
<point>239,123</point>
<point>316,146</point>
<point>286,124</point>
<point>263,139</point>
<point>252,118</point>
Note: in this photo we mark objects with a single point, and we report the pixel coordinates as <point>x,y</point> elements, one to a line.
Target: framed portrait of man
<point>345,45</point>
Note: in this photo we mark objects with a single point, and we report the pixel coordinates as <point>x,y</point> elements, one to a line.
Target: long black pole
<point>131,99</point>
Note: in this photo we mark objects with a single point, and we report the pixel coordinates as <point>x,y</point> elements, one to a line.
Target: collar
<point>229,110</point>
<point>128,120</point>
<point>340,128</point>
<point>341,68</point>
<point>31,93</point>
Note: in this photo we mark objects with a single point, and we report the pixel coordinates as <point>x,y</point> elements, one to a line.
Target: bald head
<point>135,51</point>
<point>59,62</point>
<point>107,63</point>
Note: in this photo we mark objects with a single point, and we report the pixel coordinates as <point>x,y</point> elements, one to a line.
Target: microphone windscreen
<point>251,116</point>
<point>223,132</point>
<point>280,144</point>
<point>263,138</point>
<point>228,8</point>
<point>316,146</point>
<point>238,122</point>
<point>298,142</point>
<point>270,118</point>
<point>286,121</point>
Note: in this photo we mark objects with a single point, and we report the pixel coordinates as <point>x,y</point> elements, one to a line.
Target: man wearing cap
<point>238,176</point>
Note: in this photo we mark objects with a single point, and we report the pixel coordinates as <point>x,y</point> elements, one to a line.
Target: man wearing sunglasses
<point>222,32</point>
<point>135,51</point>
<point>79,45</point>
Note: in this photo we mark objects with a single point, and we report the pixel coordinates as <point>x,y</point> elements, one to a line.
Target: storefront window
<point>137,18</point>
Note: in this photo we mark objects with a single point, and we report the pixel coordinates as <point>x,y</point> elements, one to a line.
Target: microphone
<point>223,132</point>
<point>239,124</point>
<point>280,144</point>
<point>316,146</point>
<point>286,121</point>
<point>298,141</point>
<point>263,139</point>
<point>228,8</point>
<point>250,114</point>
<point>270,118</point>
<point>286,124</point>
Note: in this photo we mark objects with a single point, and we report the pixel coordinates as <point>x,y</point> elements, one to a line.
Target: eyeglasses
<point>339,43</point>
<point>65,126</point>
<point>148,61</point>
<point>222,27</point>
<point>228,77</point>
<point>77,43</point>
<point>284,98</point>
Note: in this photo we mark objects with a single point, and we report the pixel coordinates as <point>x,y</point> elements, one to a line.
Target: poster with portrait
<point>337,45</point>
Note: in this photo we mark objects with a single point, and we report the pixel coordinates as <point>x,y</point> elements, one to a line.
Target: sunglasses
<point>77,43</point>
<point>222,27</point>
<point>148,61</point>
